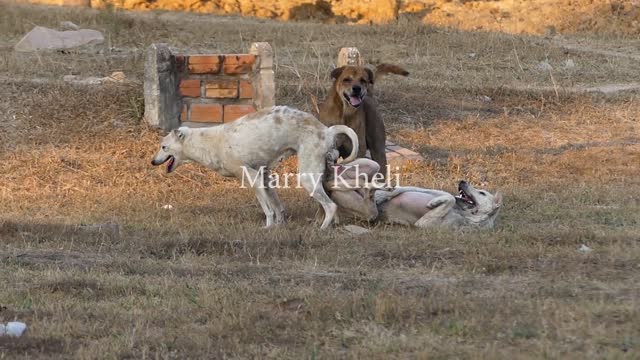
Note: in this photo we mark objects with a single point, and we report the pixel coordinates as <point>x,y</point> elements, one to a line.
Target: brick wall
<point>206,89</point>
<point>215,88</point>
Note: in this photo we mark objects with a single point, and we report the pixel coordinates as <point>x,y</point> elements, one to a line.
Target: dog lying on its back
<point>349,104</point>
<point>413,206</point>
<point>256,142</point>
<point>427,208</point>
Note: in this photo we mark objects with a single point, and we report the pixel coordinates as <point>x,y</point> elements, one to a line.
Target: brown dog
<point>349,104</point>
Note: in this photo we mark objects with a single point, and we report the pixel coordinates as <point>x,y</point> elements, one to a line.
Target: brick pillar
<point>349,56</point>
<point>264,80</point>
<point>161,100</point>
<point>206,89</point>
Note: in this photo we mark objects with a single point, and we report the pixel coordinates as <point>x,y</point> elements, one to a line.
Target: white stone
<point>357,230</point>
<point>15,328</point>
<point>42,38</point>
<point>569,64</point>
<point>544,66</point>
<point>585,249</point>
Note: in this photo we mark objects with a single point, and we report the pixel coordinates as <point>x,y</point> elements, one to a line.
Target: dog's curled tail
<point>390,69</point>
<point>334,130</point>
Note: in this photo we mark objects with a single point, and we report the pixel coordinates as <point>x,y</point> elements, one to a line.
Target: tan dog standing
<point>349,104</point>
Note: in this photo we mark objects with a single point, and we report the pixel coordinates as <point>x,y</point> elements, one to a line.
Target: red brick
<point>233,112</point>
<point>239,64</point>
<point>206,113</point>
<point>205,64</point>
<point>240,59</point>
<point>227,89</point>
<point>184,114</point>
<point>246,89</point>
<point>190,88</point>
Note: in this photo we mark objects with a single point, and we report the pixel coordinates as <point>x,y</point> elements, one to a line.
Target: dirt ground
<point>204,280</point>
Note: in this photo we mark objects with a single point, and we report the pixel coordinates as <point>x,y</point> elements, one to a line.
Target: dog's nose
<point>357,89</point>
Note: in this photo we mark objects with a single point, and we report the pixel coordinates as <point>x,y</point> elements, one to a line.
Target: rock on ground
<point>356,230</point>
<point>42,38</point>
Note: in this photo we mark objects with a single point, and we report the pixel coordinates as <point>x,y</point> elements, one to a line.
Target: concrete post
<point>161,100</point>
<point>264,79</point>
<point>349,56</point>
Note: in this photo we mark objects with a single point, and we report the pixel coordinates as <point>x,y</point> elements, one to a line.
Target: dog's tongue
<point>169,163</point>
<point>355,101</point>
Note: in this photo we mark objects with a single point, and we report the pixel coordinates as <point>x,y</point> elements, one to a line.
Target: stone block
<point>162,103</point>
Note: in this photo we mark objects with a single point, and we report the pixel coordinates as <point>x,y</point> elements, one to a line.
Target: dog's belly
<point>262,144</point>
<point>408,207</point>
<point>392,214</point>
<point>268,158</point>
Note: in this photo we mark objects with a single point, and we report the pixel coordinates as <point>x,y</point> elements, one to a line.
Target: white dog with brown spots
<point>258,142</point>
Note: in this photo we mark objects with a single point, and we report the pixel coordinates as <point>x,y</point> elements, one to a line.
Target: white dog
<point>414,206</point>
<point>427,208</point>
<point>257,142</point>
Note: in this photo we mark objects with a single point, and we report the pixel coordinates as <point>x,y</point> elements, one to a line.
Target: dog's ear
<point>497,200</point>
<point>370,74</point>
<point>335,74</point>
<point>178,133</point>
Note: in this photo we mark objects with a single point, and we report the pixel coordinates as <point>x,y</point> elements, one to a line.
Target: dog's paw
<point>435,203</point>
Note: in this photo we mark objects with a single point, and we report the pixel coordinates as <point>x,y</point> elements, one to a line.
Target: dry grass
<point>205,281</point>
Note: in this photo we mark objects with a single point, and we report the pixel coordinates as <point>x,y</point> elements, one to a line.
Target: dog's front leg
<point>438,208</point>
<point>375,135</point>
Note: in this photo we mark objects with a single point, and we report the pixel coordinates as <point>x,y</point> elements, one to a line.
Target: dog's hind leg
<point>276,205</point>
<point>273,202</point>
<point>312,182</point>
<point>317,192</point>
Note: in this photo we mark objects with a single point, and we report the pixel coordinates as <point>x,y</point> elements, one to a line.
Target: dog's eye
<point>346,80</point>
<point>363,80</point>
<point>483,193</point>
<point>164,148</point>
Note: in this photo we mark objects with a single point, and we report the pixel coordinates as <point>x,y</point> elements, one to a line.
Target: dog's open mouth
<point>353,100</point>
<point>170,161</point>
<point>462,195</point>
